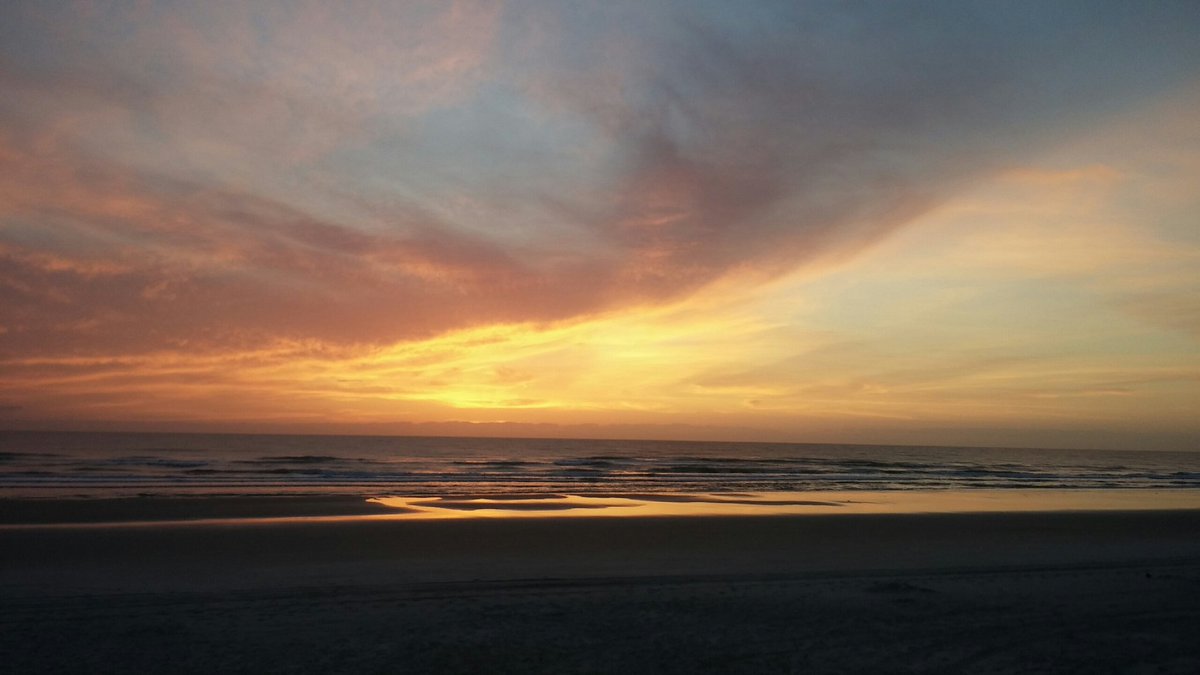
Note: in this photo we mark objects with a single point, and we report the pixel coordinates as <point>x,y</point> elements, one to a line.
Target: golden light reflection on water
<point>790,503</point>
<point>695,505</point>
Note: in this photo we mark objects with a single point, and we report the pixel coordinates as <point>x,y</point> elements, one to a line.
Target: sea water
<point>79,464</point>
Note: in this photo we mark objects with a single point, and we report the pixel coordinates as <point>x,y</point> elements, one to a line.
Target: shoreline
<point>33,512</point>
<point>24,513</point>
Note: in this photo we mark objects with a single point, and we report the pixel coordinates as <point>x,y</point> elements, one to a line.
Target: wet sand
<point>135,511</point>
<point>159,509</point>
<point>992,592</point>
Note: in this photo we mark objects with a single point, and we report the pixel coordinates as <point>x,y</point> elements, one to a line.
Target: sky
<point>868,222</point>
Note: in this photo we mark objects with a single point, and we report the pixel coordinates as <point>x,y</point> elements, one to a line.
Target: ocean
<point>100,465</point>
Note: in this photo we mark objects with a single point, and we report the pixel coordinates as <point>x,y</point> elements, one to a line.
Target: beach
<point>599,338</point>
<point>1060,591</point>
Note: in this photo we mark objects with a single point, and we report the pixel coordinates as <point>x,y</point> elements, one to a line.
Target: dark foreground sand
<point>1100,592</point>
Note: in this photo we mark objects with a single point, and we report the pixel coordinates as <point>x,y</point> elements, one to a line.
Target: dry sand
<point>1021,592</point>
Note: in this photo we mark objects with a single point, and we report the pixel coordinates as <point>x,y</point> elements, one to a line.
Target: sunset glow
<point>881,223</point>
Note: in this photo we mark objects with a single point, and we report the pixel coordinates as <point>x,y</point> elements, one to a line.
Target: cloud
<point>136,262</point>
<point>217,177</point>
